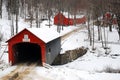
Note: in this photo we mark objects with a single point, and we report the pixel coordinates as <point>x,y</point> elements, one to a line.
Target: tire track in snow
<point>20,72</point>
<point>35,76</point>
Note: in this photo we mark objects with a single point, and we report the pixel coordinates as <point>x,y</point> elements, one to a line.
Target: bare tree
<point>96,15</point>
<point>12,24</point>
<point>116,10</point>
<point>88,15</point>
<point>1,2</point>
<point>37,12</point>
<point>17,14</point>
<point>89,29</point>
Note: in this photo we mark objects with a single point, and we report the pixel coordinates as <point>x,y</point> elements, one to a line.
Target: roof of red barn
<point>45,34</point>
<point>65,15</point>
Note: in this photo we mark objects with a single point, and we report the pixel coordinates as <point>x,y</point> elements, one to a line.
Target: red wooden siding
<point>19,38</point>
<point>60,19</point>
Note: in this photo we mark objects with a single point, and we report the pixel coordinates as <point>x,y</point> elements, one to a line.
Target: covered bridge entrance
<point>29,45</point>
<point>27,52</point>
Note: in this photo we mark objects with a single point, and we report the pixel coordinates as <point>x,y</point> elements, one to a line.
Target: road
<point>24,72</point>
<point>72,32</point>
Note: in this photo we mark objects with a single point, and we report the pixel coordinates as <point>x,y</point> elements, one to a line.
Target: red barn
<point>34,45</point>
<point>109,16</point>
<point>60,19</point>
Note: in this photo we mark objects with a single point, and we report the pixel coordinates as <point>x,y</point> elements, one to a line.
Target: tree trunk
<point>110,24</point>
<point>16,23</point>
<point>40,17</point>
<point>93,47</point>
<point>101,37</point>
<point>1,1</point>
<point>105,40</point>
<point>25,11</point>
<point>74,18</point>
<point>68,15</point>
<point>59,23</point>
<point>89,31</point>
<point>31,18</point>
<point>17,14</point>
<point>98,22</point>
<point>110,27</point>
<point>118,21</point>
<point>12,24</point>
<point>37,17</point>
<point>62,22</point>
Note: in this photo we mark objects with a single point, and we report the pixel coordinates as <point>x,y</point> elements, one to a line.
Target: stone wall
<point>69,56</point>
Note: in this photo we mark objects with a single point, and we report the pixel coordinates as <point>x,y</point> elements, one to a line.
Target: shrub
<point>109,69</point>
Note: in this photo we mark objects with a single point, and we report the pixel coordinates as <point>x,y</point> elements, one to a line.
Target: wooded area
<point>39,10</point>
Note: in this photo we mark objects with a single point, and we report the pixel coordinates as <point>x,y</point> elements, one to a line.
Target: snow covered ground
<point>91,66</point>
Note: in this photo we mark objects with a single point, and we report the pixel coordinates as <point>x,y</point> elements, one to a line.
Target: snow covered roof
<point>72,16</point>
<point>44,34</point>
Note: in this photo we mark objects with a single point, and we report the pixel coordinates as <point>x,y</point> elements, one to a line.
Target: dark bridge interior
<point>26,52</point>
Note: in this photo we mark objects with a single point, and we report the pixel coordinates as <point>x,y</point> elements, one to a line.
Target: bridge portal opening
<point>26,52</point>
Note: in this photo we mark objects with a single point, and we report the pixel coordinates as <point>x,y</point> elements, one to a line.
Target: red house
<point>34,45</point>
<point>60,19</point>
<point>108,16</point>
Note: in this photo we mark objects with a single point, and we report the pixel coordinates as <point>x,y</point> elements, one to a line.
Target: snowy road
<point>20,71</point>
<point>72,32</point>
<point>23,72</point>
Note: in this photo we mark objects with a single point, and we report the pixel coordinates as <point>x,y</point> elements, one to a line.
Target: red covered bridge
<point>60,19</point>
<point>34,45</point>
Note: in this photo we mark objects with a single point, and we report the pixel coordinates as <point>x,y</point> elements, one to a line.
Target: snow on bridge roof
<point>44,34</point>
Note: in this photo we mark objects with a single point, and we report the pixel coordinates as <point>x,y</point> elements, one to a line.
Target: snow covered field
<point>91,66</point>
